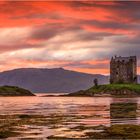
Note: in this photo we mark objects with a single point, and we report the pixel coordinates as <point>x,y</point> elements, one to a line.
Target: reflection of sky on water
<point>98,108</point>
<point>77,111</point>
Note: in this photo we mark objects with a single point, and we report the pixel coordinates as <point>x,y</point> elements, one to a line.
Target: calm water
<point>91,111</point>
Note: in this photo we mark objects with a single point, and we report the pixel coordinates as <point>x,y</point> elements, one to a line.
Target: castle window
<point>117,73</point>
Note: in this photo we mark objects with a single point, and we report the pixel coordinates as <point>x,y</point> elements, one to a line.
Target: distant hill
<point>50,80</point>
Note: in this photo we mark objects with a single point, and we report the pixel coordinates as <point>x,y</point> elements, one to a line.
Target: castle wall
<point>123,70</point>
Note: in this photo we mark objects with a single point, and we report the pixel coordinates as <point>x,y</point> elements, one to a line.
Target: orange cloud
<point>93,62</point>
<point>72,34</point>
<point>16,63</point>
<point>92,71</point>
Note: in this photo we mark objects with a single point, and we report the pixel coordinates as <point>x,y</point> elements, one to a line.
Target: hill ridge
<point>49,80</point>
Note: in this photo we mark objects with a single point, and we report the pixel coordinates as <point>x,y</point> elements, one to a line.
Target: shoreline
<point>121,96</point>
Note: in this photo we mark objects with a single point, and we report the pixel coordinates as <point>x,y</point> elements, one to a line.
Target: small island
<point>110,90</point>
<point>14,91</point>
<point>123,80</point>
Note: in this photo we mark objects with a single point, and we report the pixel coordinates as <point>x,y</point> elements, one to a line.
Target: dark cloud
<point>129,40</point>
<point>113,25</point>
<point>8,48</point>
<point>46,32</point>
<point>49,31</point>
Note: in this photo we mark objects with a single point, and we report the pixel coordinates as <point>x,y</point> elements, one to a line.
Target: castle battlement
<point>124,59</point>
<point>123,69</point>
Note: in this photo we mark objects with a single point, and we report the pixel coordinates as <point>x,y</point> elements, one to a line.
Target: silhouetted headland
<point>14,91</point>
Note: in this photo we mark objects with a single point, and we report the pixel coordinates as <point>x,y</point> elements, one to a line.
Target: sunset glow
<point>80,35</point>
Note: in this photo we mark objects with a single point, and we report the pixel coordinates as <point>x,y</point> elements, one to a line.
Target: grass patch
<point>14,91</point>
<point>118,90</point>
<point>109,87</point>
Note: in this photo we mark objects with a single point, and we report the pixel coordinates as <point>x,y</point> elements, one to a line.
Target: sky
<point>80,35</point>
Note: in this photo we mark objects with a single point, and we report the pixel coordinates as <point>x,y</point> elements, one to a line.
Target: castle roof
<point>125,59</point>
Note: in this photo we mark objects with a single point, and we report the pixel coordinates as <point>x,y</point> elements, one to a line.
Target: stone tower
<point>123,69</point>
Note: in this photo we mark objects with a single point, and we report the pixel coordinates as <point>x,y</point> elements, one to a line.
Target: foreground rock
<point>110,90</point>
<point>13,126</point>
<point>118,131</point>
<point>14,91</point>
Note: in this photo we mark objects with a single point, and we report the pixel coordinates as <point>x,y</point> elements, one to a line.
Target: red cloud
<point>50,19</point>
<point>34,13</point>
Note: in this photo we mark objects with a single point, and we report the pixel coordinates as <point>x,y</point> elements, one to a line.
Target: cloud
<point>70,34</point>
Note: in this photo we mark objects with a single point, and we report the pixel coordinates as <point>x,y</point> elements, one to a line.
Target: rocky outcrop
<point>14,91</point>
<point>122,92</point>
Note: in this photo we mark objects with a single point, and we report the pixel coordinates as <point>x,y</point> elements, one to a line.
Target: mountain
<point>50,80</point>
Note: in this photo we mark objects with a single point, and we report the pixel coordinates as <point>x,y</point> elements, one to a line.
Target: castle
<point>123,69</point>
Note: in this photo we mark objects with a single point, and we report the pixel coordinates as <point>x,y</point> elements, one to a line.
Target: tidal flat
<point>69,117</point>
